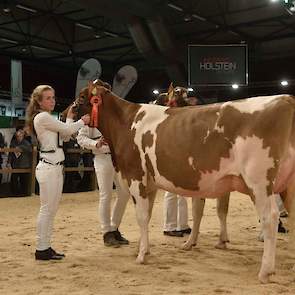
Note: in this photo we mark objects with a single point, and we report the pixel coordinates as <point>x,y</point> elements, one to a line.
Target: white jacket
<point>88,137</point>
<point>50,132</point>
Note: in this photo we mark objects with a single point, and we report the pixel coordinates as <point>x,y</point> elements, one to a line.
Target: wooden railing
<point>32,169</point>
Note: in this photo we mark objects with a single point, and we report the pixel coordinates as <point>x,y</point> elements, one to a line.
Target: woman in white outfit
<point>175,215</point>
<point>49,171</point>
<point>91,138</point>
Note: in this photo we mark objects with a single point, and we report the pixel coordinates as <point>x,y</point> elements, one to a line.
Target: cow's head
<point>175,97</point>
<point>89,100</point>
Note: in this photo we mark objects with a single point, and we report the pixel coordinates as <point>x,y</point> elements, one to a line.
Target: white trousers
<point>106,175</point>
<point>50,178</point>
<point>175,212</point>
<point>280,203</point>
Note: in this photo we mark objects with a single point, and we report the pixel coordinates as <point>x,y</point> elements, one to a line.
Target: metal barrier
<point>32,169</point>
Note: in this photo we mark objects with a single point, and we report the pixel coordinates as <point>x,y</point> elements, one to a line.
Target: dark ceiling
<point>148,34</point>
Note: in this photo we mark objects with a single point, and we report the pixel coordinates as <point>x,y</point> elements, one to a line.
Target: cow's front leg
<point>143,214</point>
<point>197,212</point>
<point>151,198</point>
<point>222,210</point>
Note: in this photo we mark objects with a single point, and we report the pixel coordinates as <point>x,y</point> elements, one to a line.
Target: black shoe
<point>120,238</point>
<point>281,228</point>
<point>47,255</point>
<point>53,252</point>
<point>186,231</point>
<point>110,240</point>
<point>174,233</point>
<point>284,214</point>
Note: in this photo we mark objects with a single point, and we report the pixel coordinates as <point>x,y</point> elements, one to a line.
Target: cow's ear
<point>170,89</point>
<point>90,87</point>
<point>107,85</point>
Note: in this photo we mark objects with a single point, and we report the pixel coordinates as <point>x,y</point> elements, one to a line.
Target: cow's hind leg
<point>197,212</point>
<point>269,216</point>
<point>222,210</point>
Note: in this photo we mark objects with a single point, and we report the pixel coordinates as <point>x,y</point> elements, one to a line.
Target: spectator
<point>20,160</point>
<point>2,144</point>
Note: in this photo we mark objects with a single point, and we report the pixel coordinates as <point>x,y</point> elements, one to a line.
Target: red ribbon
<point>172,103</point>
<point>95,101</point>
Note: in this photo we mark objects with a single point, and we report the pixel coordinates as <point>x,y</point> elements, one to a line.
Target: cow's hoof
<point>140,260</point>
<point>260,237</point>
<point>186,246</point>
<point>263,278</point>
<point>221,245</point>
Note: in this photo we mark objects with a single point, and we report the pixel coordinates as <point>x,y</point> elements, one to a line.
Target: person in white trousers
<point>175,215</point>
<point>91,138</point>
<point>49,171</point>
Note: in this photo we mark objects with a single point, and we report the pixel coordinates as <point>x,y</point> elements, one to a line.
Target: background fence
<point>32,169</point>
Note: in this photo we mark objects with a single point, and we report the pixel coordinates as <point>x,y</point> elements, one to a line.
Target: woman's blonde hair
<point>34,105</point>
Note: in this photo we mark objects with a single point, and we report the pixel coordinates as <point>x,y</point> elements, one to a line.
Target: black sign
<point>217,65</point>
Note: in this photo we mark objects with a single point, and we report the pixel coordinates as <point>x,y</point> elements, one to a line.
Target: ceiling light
<point>8,40</point>
<point>190,89</point>
<point>175,7</point>
<point>38,47</point>
<point>156,91</point>
<point>26,8</point>
<point>84,26</point>
<point>111,34</point>
<point>284,83</point>
<point>198,17</point>
<point>235,86</point>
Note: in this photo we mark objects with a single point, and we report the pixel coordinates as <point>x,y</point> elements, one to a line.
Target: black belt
<point>58,163</point>
<point>50,151</point>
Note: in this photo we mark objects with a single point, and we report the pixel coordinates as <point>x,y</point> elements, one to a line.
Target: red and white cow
<point>178,97</point>
<point>246,146</point>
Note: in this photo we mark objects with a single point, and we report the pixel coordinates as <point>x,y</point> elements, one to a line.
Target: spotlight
<point>6,10</point>
<point>187,17</point>
<point>235,86</point>
<point>156,91</point>
<point>190,89</point>
<point>284,83</point>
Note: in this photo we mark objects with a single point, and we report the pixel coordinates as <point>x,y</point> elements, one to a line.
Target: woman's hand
<point>86,119</point>
<point>72,112</point>
<point>101,142</point>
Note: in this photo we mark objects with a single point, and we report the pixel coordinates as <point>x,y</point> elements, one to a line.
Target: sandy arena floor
<point>91,268</point>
